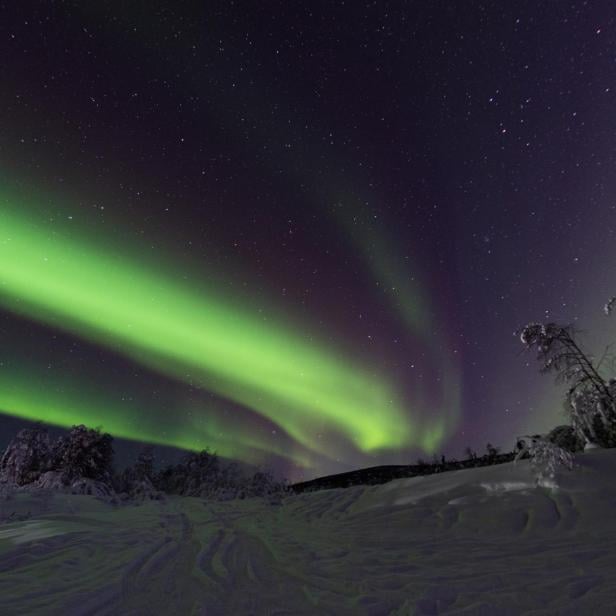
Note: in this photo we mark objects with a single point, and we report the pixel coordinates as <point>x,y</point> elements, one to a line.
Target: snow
<point>485,541</point>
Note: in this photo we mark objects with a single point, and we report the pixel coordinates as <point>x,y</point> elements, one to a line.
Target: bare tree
<point>470,454</point>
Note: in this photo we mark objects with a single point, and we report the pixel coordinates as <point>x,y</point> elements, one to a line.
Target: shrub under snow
<point>545,458</point>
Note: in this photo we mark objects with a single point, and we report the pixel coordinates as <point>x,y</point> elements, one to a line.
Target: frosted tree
<point>144,466</point>
<point>84,453</point>
<point>590,400</point>
<point>609,306</point>
<point>27,456</point>
<point>545,458</point>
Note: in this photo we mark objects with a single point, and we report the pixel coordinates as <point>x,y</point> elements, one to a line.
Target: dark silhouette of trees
<point>144,466</point>
<point>492,451</point>
<point>470,454</point>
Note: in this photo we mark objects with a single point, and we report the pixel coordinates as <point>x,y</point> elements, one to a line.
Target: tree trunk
<point>583,421</point>
<point>601,411</point>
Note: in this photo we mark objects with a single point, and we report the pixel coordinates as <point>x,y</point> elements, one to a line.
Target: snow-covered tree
<point>27,456</point>
<point>545,458</point>
<point>590,400</point>
<point>144,466</point>
<point>566,437</point>
<point>84,453</point>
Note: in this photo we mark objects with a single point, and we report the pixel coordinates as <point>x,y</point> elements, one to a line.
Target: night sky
<point>301,234</point>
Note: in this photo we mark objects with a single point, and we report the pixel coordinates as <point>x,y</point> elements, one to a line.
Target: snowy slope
<point>476,541</point>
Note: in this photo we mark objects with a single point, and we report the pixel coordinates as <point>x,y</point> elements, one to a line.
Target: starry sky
<point>301,234</point>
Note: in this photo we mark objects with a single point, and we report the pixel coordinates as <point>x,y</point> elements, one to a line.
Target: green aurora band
<point>31,393</point>
<point>51,275</point>
<point>408,300</point>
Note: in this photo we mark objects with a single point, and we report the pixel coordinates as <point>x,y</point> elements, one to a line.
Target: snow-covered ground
<point>478,541</point>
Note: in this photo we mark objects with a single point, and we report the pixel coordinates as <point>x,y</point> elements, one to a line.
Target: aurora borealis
<point>60,277</point>
<point>106,298</point>
<point>302,237</point>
